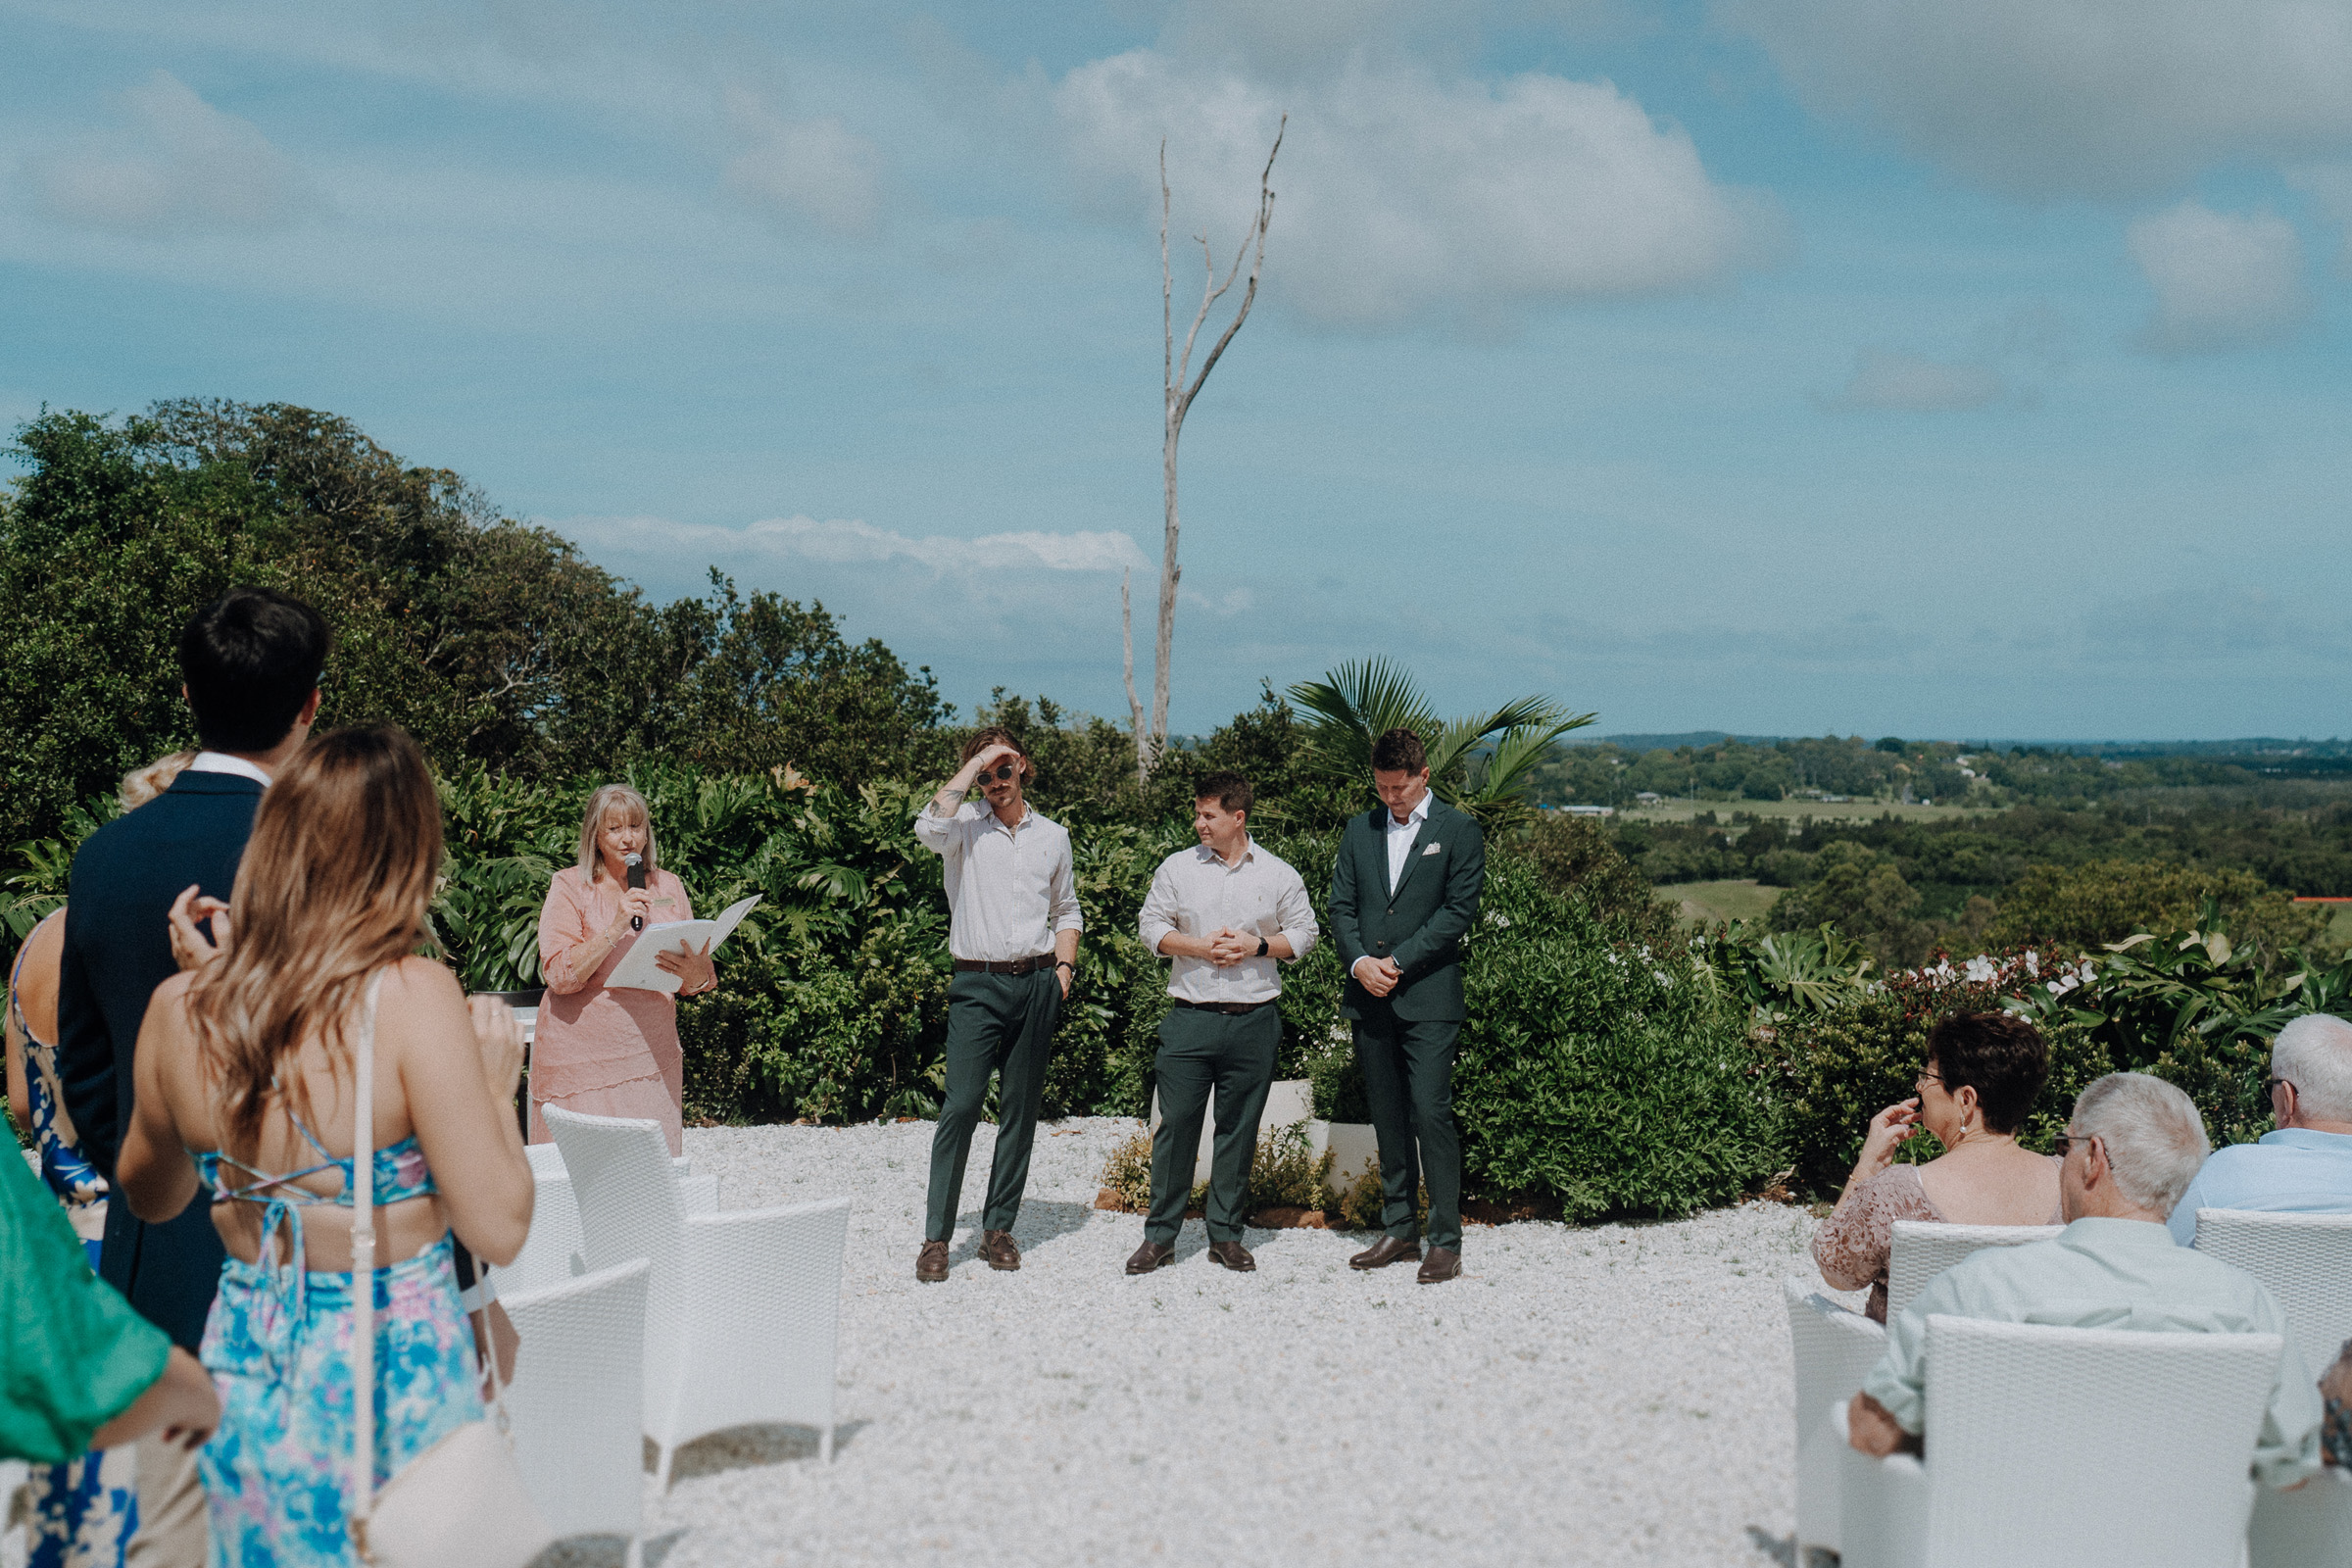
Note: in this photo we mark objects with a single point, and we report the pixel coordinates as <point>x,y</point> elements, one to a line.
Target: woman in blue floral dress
<point>245,1072</point>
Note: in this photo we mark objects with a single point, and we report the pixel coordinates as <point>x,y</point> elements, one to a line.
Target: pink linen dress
<point>599,1052</point>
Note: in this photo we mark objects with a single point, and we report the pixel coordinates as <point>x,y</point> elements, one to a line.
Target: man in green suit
<point>1405,890</point>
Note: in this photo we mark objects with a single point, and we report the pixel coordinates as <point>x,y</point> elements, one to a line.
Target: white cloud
<point>815,170</point>
<point>1883,379</point>
<point>2222,281</point>
<point>851,543</point>
<point>180,165</point>
<point>1402,192</point>
<point>2074,97</point>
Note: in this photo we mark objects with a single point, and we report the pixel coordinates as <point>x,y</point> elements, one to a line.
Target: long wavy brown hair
<point>334,886</point>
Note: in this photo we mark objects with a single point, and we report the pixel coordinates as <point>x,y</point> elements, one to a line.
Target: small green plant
<point>1287,1173</point>
<point>1128,1172</point>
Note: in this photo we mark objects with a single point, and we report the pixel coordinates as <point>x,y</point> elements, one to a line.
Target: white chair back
<point>2090,1448</point>
<point>628,1191</point>
<point>2306,1262</point>
<point>1834,1349</point>
<point>547,1159</point>
<point>777,1288</point>
<point>1923,1250</point>
<point>555,1252</point>
<point>577,1400</point>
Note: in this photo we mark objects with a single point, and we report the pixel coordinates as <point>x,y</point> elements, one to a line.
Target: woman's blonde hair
<point>144,783</point>
<point>603,803</point>
<point>334,885</point>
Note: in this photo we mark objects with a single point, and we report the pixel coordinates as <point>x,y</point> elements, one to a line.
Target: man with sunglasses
<point>2305,1166</point>
<point>1013,924</point>
<point>2129,1153</point>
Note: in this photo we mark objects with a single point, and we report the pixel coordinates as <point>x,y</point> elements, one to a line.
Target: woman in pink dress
<point>612,1051</point>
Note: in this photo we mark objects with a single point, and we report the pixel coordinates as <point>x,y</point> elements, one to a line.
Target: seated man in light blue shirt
<point>2129,1153</point>
<point>2305,1168</point>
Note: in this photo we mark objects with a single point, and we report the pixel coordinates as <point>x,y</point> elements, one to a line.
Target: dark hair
<point>1233,792</point>
<point>1999,1055</point>
<point>997,735</point>
<point>251,658</point>
<point>1398,751</point>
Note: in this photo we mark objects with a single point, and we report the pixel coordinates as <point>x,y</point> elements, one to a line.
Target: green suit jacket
<point>1420,923</point>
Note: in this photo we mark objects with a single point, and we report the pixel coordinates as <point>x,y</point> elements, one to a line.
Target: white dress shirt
<point>1009,889</point>
<point>223,762</point>
<point>1194,893</point>
<point>1402,832</point>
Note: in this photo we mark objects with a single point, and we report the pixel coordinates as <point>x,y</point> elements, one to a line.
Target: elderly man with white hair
<point>2305,1168</point>
<point>2131,1149</point>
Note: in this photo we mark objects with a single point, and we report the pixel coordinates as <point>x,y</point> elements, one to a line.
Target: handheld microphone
<point>636,866</point>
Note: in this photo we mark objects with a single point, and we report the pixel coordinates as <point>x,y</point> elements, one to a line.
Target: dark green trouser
<point>1408,1077</point>
<point>1199,1051</point>
<point>995,1023</point>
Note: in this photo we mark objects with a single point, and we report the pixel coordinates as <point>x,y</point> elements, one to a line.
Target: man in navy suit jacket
<point>251,662</point>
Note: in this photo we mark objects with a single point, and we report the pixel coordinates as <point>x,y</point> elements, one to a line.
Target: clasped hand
<point>1378,975</point>
<point>1227,946</point>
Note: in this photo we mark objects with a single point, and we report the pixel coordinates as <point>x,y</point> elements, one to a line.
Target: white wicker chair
<point>556,1249</point>
<point>2056,1448</point>
<point>742,1321</point>
<point>1923,1250</point>
<point>2306,1260</point>
<point>577,1400</point>
<point>1834,1349</point>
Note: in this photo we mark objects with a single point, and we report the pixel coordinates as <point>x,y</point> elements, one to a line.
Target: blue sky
<point>1958,368</point>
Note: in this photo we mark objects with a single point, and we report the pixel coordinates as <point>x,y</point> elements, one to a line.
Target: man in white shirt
<point>1227,911</point>
<point>2129,1153</point>
<point>2305,1166</point>
<point>1014,923</point>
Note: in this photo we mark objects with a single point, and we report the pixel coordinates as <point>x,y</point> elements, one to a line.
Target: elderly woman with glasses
<point>1983,1072</point>
<point>604,1049</point>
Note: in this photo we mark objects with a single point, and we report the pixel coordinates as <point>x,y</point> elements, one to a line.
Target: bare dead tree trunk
<point>1178,402</point>
<point>1134,708</point>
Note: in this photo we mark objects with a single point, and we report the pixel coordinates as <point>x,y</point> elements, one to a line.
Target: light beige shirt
<point>1009,889</point>
<point>2108,1274</point>
<point>1196,893</point>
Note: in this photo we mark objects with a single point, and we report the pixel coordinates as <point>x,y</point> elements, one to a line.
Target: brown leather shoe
<point>998,1248</point>
<point>1387,1249</point>
<point>1233,1255</point>
<point>931,1263</point>
<point>1151,1256</point>
<point>1445,1264</point>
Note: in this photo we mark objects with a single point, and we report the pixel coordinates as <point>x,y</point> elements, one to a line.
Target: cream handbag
<point>461,1503</point>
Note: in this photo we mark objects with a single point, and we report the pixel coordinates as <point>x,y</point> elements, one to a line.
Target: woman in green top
<point>78,1368</point>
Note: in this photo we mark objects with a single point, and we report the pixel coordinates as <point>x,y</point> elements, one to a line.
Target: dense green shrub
<point>1600,1072</point>
<point>1837,1069</point>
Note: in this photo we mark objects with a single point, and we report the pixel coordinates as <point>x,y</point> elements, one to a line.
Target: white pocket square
<point>1433,848</point>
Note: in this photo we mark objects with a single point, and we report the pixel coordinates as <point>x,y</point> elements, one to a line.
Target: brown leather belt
<point>1029,965</point>
<point>1232,1009</point>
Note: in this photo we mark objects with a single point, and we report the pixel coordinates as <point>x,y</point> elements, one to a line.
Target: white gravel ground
<point>1614,1393</point>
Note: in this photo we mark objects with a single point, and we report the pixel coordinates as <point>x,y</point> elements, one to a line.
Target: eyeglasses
<point>1004,770</point>
<point>2271,1085</point>
<point>1925,1079</point>
<point>2064,1143</point>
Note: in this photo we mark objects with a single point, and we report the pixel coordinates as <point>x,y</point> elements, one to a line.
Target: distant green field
<point>1791,811</point>
<point>1705,902</point>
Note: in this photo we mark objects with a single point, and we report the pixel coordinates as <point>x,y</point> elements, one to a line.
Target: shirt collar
<point>2308,1138</point>
<point>1248,849</point>
<point>223,762</point>
<point>2098,1232</point>
<point>1419,812</point>
<point>987,814</point>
